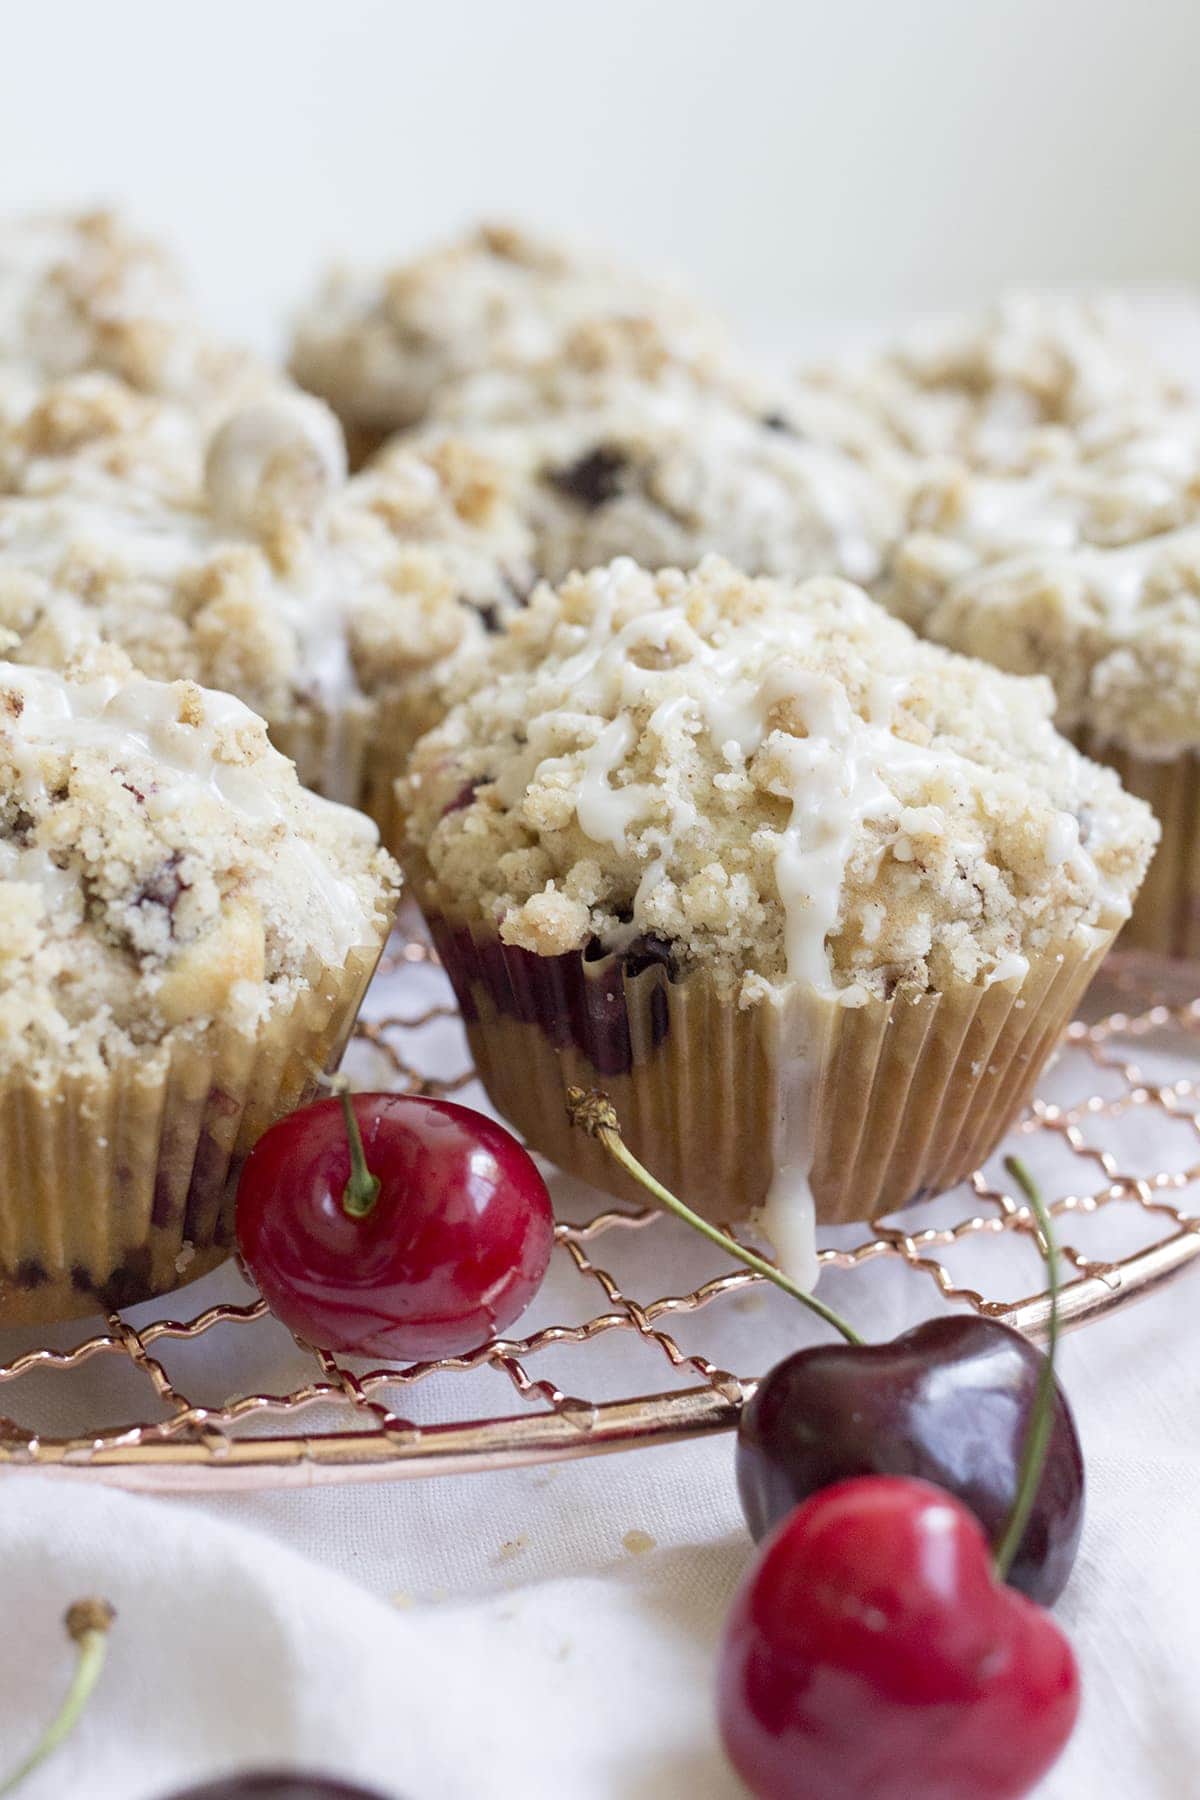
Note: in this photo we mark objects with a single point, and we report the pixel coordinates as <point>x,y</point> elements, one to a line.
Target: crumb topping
<point>697,459</point>
<point>84,292</point>
<point>270,574</point>
<point>1086,569</point>
<point>93,435</point>
<point>771,780</point>
<point>160,865</point>
<point>380,345</point>
<point>1004,389</point>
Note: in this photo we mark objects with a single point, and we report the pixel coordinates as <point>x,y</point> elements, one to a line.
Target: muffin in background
<point>380,345</point>
<point>186,935</point>
<point>96,438</point>
<point>329,605</point>
<point>1087,570</point>
<point>811,899</point>
<point>1005,388</point>
<point>620,443</point>
<point>84,291</point>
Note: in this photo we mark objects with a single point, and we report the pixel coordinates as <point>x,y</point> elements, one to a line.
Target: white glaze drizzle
<point>136,722</point>
<point>139,543</point>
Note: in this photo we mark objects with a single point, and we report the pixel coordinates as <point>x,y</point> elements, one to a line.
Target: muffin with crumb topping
<point>619,444</point>
<point>1005,389</point>
<point>85,292</point>
<point>810,898</point>
<point>186,935</point>
<point>331,606</point>
<point>381,345</point>
<point>1087,570</point>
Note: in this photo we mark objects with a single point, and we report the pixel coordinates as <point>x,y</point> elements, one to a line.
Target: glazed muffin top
<point>274,577</point>
<point>94,436</point>
<point>160,866</point>
<point>621,445</point>
<point>83,291</point>
<point>604,362</point>
<point>1008,387</point>
<point>380,345</point>
<point>1086,570</point>
<point>772,781</point>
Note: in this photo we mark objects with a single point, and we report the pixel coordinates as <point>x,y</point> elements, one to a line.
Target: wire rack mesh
<point>221,1396</point>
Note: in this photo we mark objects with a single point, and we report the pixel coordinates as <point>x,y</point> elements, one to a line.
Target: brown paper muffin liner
<point>117,1188</point>
<point>903,1097</point>
<point>1166,914</point>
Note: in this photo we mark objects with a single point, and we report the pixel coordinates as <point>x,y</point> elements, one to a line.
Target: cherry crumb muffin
<point>186,935</point>
<point>621,444</point>
<point>810,898</point>
<point>380,346</point>
<point>83,291</point>
<point>330,606</point>
<point>1088,570</point>
<point>1006,388</point>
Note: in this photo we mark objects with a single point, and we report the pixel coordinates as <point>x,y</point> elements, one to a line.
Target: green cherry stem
<point>87,1624</point>
<point>362,1190</point>
<point>1037,1438</point>
<point>595,1113</point>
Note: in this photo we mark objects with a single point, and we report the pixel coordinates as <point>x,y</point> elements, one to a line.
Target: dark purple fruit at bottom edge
<point>276,1784</point>
<point>948,1402</point>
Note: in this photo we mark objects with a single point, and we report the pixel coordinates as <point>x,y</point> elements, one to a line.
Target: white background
<point>840,160</point>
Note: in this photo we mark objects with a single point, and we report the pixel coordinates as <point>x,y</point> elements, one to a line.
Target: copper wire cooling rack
<point>1114,1136</point>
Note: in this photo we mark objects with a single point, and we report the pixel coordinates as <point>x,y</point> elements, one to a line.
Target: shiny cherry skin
<point>871,1652</point>
<point>277,1785</point>
<point>948,1402</point>
<point>453,1249</point>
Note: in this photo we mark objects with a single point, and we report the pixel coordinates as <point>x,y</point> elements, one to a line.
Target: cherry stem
<point>362,1190</point>
<point>1037,1437</point>
<point>594,1113</point>
<point>87,1624</point>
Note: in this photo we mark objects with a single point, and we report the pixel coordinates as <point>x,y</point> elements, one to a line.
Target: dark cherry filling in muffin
<point>574,1000</point>
<point>597,477</point>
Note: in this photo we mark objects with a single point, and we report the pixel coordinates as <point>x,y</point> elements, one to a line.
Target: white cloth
<point>505,1634</point>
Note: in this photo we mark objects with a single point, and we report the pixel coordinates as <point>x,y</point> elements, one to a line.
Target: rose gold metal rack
<point>1128,1075</point>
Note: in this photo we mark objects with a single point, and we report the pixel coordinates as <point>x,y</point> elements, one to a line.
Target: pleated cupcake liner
<point>903,1098</point>
<point>119,1187</point>
<point>1166,914</point>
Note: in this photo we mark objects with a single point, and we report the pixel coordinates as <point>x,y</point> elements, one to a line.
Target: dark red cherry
<point>451,1248</point>
<point>871,1653</point>
<point>948,1402</point>
<point>276,1785</point>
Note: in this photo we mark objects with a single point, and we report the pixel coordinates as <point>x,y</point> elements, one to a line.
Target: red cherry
<point>447,1252</point>
<point>871,1651</point>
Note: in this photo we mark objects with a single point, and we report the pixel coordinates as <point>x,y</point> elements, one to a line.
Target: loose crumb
<point>638,1542</point>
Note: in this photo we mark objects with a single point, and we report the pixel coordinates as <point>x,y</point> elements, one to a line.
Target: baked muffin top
<point>621,445</point>
<point>769,780</point>
<point>94,436</point>
<point>1005,388</point>
<point>1086,569</point>
<point>380,345</point>
<point>82,291</point>
<point>160,866</point>
<point>273,576</point>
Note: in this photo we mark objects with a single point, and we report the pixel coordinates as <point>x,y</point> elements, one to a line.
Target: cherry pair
<point>874,1650</point>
